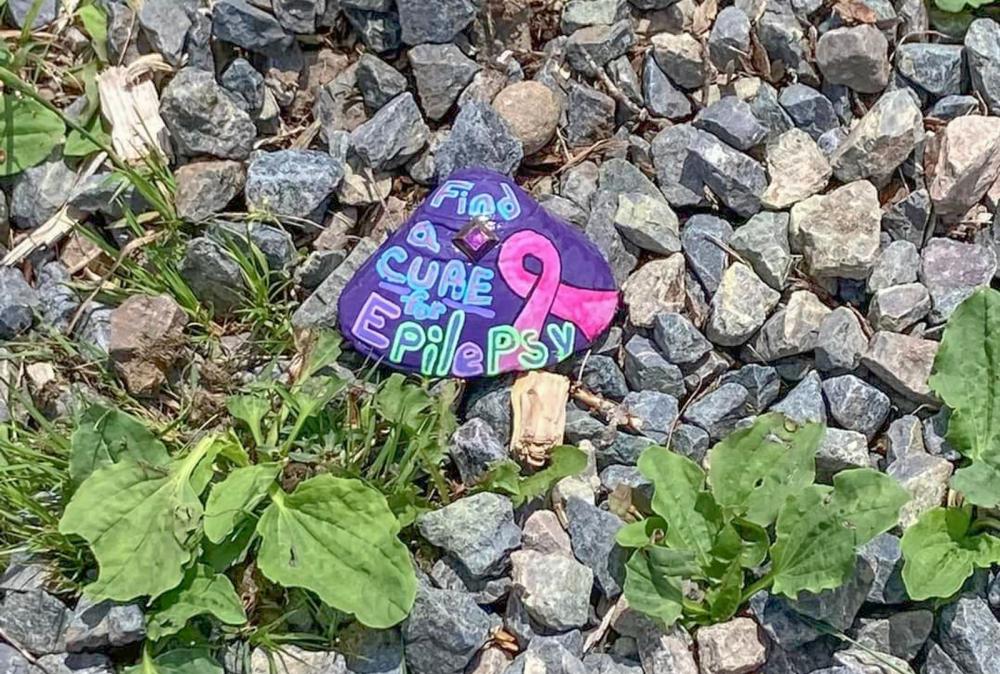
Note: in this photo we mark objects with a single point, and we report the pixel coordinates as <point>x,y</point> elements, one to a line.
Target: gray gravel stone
<point>763,243</point>
<point>732,647</point>
<point>656,412</point>
<point>982,52</point>
<point>769,112</point>
<point>740,306</point>
<point>547,656</point>
<point>735,178</point>
<point>840,450</point>
<point>602,375</point>
<point>952,270</point>
<point>380,31</point>
<point>792,330</point>
<point>554,589</point>
<point>669,652</point>
<point>39,192</point>
<point>293,183</point>
<point>719,411</point>
<point>589,116</point>
<point>206,187</point>
<point>165,24</point>
<point>810,110</point>
<point>73,663</point>
<point>680,57</point>
<point>662,98</point>
<point>96,626</point>
<point>678,175</point>
<point>579,14</point>
<point>700,240</point>
<point>761,382</point>
<point>36,620</point>
<point>906,220</point>
<point>441,72</point>
<point>898,308</point>
<point>970,634</point>
<point>950,107</point>
<point>729,38</point>
<point>897,264</point>
<point>968,163</point>
<point>939,662</point>
<point>542,532</point>
<point>855,405</point>
<point>448,19</point>
<point>797,167</point>
<point>901,635</point>
<point>592,534</point>
<point>838,233</point>
<point>784,39</point>
<point>244,25</point>
<point>213,275</point>
<point>903,362</point>
<point>884,557</point>
<point>732,121</point>
<point>881,141</point>
<point>925,477</point>
<point>320,308</point>
<point>394,136</point>
<point>609,663</point>
<point>679,340</point>
<point>648,222</point>
<point>938,69</point>
<point>804,403</point>
<point>204,118</point>
<point>57,301</point>
<point>477,530</point>
<point>18,11</point>
<point>646,369</point>
<point>474,447</point>
<point>378,81</point>
<point>856,57</point>
<point>444,631</point>
<point>18,301</point>
<point>589,49</point>
<point>904,436</point>
<point>479,137</point>
<point>838,607</point>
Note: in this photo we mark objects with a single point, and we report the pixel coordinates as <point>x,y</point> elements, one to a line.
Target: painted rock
<point>480,280</point>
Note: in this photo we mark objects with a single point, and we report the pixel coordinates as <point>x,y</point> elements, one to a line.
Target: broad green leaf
<point>28,133</point>
<point>232,549</point>
<point>979,482</point>
<point>755,469</point>
<point>647,590</point>
<point>235,497</point>
<point>104,436</point>
<point>564,461</point>
<point>251,410</point>
<point>967,374</point>
<point>95,23</point>
<point>940,553</point>
<point>724,598</point>
<point>79,145</point>
<point>141,523</point>
<point>692,516</point>
<point>323,352</point>
<point>671,563</point>
<point>338,538</point>
<point>203,592</point>
<point>728,548</point>
<point>642,533</point>
<point>401,402</point>
<point>820,528</point>
<point>755,542</point>
<point>179,661</point>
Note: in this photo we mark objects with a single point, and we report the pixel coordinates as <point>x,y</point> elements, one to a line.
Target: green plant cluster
<point>947,544</point>
<point>756,508</point>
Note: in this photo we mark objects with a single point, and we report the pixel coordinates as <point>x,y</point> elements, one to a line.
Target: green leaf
<point>179,661</point>
<point>28,133</point>
<point>235,497</point>
<point>141,523</point>
<point>672,563</point>
<point>940,552</point>
<point>564,461</point>
<point>979,482</point>
<point>819,529</point>
<point>79,145</point>
<point>104,436</point>
<point>203,592</point>
<point>338,538</point>
<point>755,469</point>
<point>95,24</point>
<point>251,410</point>
<point>755,542</point>
<point>401,402</point>
<point>967,378</point>
<point>724,599</point>
<point>642,533</point>
<point>231,550</point>
<point>693,518</point>
<point>651,592</point>
<point>323,352</point>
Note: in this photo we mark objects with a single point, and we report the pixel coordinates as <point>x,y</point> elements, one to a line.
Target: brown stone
<point>205,188</point>
<point>968,163</point>
<point>657,286</point>
<point>532,111</point>
<point>146,335</point>
<point>903,362</point>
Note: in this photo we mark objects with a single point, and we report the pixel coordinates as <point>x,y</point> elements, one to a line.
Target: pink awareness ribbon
<point>545,293</point>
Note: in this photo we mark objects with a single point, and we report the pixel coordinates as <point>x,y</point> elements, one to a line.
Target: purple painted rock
<point>480,280</point>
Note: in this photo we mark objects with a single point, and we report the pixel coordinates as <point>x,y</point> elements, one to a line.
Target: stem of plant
<point>761,584</point>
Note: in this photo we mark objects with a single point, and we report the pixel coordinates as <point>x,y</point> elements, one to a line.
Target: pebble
<point>602,376</point>
<point>18,302</point>
<point>736,179</point>
<point>592,533</point>
<point>797,167</point>
<point>449,18</point>
<point>655,287</point>
<point>206,188</point>
<point>881,141</point>
<point>968,162</point>
<point>293,183</point>
<point>393,136</point>
<point>589,49</point>
<point>655,411</point>
<point>838,607</point>
<point>579,14</point>
<point>648,222</point>
<point>902,635</point>
<point>589,116</point>
<point>645,369</point>
<point>792,330</point>
<point>18,10</point>
<point>244,25</point>
<point>94,626</point>
<point>546,656</point>
<point>479,531</point>
<point>810,110</point>
<point>680,57</point>
<point>204,118</point>
<point>474,448</point>
<point>39,192</point>
<point>719,411</point>
<point>732,121</point>
<point>938,69</point>
<point>763,243</point>
<point>542,532</point>
<point>952,270</point>
<point>982,54</point>
<point>444,631</point>
<point>838,233</point>
<point>35,620</point>
<point>840,450</point>
<point>165,24</point>
<point>898,308</point>
<point>762,382</point>
<point>379,31</point>
<point>733,647</point>
<point>856,57</point>
<point>680,342</point>
<point>678,176</point>
<point>479,137</point>
<point>907,219</point>
<point>804,403</point>
<point>441,71</point>
<point>939,662</point>
<point>885,558</point>
<point>214,277</point>
<point>740,306</point>
<point>903,362</point>
<point>897,264</point>
<point>925,477</point>
<point>554,589</point>
<point>532,110</point>
<point>729,38</point>
<point>905,436</point>
<point>855,405</point>
<point>703,240</point>
<point>969,633</point>
<point>378,82</point>
<point>320,308</point>
<point>669,652</point>
<point>662,98</point>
